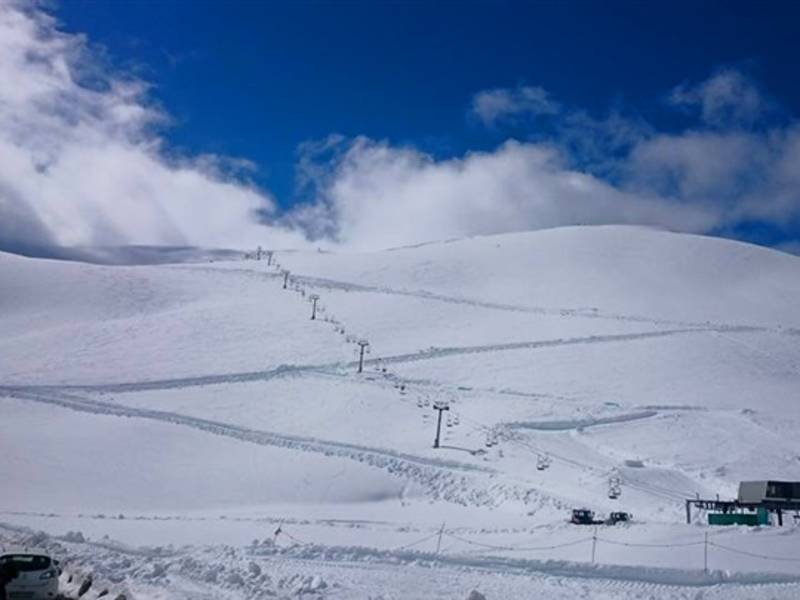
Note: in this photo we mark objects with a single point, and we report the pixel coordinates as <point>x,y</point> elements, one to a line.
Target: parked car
<point>36,575</point>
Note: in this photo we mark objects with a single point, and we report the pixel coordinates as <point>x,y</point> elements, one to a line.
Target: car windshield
<point>26,562</point>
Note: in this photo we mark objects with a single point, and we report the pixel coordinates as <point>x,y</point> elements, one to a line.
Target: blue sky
<point>631,95</point>
<point>255,79</point>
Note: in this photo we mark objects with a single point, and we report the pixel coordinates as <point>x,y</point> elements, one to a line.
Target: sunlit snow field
<point>198,403</point>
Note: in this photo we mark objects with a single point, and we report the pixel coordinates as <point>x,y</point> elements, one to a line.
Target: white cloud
<point>747,176</point>
<point>699,165</point>
<point>726,99</point>
<point>380,196</point>
<point>504,104</point>
<point>82,164</point>
<point>615,169</point>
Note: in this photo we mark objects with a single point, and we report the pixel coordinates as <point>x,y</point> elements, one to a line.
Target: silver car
<point>37,575</point>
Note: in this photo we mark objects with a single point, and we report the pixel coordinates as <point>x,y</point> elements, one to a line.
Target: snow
<point>156,419</point>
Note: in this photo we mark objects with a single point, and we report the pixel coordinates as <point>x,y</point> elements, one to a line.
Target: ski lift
<point>614,486</point>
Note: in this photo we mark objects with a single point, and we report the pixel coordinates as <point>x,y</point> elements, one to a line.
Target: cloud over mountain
<point>82,162</point>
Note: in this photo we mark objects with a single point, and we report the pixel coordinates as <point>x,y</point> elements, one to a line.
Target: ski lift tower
<point>441,407</point>
<point>314,298</point>
<point>362,345</point>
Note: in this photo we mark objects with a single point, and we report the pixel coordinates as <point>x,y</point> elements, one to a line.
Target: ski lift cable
<point>419,541</point>
<point>632,482</point>
<point>753,554</point>
<point>476,426</point>
<point>638,545</point>
<point>518,548</point>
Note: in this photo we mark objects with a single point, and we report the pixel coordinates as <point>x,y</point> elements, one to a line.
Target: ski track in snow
<point>436,475</point>
<point>587,313</point>
<point>265,438</point>
<point>569,424</point>
<point>427,354</point>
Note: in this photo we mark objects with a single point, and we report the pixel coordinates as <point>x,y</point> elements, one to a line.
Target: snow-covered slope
<point>671,362</point>
<point>624,271</point>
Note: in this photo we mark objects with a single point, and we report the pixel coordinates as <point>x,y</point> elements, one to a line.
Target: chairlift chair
<point>614,491</point>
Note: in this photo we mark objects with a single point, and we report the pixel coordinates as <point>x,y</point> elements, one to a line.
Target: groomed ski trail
<point>292,370</point>
<point>435,475</point>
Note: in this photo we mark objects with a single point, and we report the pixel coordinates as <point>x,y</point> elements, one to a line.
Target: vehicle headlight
<point>47,575</point>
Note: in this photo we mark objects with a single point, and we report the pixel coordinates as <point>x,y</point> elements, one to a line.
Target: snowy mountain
<point>668,362</point>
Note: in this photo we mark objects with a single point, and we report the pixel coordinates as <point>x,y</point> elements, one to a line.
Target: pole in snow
<point>441,407</point>
<point>705,553</point>
<point>439,541</point>
<point>594,544</point>
<point>285,278</point>
<point>363,344</point>
<point>314,298</point>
